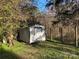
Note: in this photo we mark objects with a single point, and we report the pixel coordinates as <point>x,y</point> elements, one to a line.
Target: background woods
<point>65,20</point>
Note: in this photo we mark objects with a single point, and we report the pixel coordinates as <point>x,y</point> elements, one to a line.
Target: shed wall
<point>24,35</point>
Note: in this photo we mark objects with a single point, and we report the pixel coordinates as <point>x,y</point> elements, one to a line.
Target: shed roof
<point>37,25</point>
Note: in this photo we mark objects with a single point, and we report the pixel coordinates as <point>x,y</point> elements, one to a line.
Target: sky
<point>40,4</point>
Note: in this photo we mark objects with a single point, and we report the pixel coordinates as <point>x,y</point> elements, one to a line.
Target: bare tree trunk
<point>61,33</point>
<point>45,29</point>
<point>76,36</point>
<point>51,33</point>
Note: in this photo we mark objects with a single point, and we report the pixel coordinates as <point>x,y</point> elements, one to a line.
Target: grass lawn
<point>44,50</point>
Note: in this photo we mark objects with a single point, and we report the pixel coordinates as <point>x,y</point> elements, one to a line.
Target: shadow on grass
<point>57,46</point>
<point>8,55</point>
<point>60,42</point>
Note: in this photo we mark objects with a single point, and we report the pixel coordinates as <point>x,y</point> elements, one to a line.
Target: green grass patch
<point>43,50</point>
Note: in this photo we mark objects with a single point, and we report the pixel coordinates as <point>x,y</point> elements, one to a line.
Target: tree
<point>66,13</point>
<point>12,17</point>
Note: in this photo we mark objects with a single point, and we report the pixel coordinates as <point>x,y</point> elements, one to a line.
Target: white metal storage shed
<point>32,34</point>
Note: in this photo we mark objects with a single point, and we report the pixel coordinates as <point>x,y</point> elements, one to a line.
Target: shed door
<point>32,34</point>
<point>37,34</point>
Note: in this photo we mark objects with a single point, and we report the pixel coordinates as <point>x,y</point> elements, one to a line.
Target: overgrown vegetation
<point>14,15</point>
